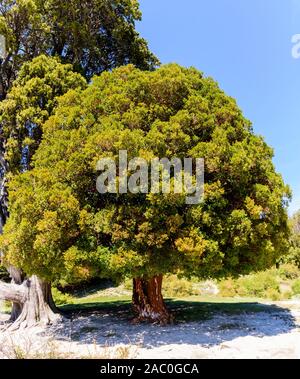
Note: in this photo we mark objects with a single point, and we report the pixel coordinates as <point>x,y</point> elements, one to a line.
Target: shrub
<point>128,284</point>
<point>262,285</point>
<point>289,271</point>
<point>259,284</point>
<point>296,287</point>
<point>175,287</point>
<point>294,251</point>
<point>61,298</point>
<point>5,307</point>
<point>228,288</point>
<point>273,294</point>
<point>287,295</point>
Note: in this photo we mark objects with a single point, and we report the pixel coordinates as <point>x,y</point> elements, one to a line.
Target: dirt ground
<point>267,334</point>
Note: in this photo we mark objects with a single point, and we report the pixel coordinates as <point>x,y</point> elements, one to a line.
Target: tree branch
<point>13,292</point>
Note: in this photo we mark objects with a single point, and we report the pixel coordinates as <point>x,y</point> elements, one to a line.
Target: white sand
<point>274,334</point>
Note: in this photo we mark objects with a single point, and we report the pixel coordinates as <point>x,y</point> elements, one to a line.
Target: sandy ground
<point>274,334</point>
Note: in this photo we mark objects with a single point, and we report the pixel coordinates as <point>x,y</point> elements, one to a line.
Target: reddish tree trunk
<point>148,302</point>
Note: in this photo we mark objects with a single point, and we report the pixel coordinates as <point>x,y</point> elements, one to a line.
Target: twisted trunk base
<point>17,277</point>
<point>148,302</point>
<point>35,299</point>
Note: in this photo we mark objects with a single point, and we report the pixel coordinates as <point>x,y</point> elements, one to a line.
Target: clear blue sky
<point>246,46</point>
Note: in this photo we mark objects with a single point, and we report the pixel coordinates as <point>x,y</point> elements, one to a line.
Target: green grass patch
<point>5,307</point>
<point>111,305</point>
<point>187,309</point>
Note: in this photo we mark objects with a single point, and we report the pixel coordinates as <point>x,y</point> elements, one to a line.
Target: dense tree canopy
<point>93,35</point>
<point>62,229</point>
<point>30,103</point>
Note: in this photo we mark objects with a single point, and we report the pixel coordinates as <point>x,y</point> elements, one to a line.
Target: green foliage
<point>261,285</point>
<point>30,103</point>
<point>5,307</point>
<point>286,295</point>
<point>289,271</point>
<point>61,228</point>
<point>128,284</point>
<point>93,35</point>
<point>61,298</point>
<point>229,288</point>
<point>296,287</point>
<point>274,294</point>
<point>294,251</point>
<point>48,228</point>
<point>177,287</point>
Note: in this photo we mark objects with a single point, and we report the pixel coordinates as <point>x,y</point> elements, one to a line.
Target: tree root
<point>37,305</point>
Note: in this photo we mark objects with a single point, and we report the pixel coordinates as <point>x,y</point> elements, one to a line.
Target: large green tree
<point>30,102</point>
<point>62,229</point>
<point>93,36</point>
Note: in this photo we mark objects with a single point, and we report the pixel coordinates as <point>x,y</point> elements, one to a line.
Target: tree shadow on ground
<point>197,323</point>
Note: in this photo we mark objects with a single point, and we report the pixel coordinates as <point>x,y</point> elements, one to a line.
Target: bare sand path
<point>274,334</point>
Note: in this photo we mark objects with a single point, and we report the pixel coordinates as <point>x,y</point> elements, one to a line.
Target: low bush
<point>289,271</point>
<point>296,287</point>
<point>128,284</point>
<point>5,307</point>
<point>261,285</point>
<point>287,295</point>
<point>273,294</point>
<point>61,298</point>
<point>175,287</point>
<point>228,288</point>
